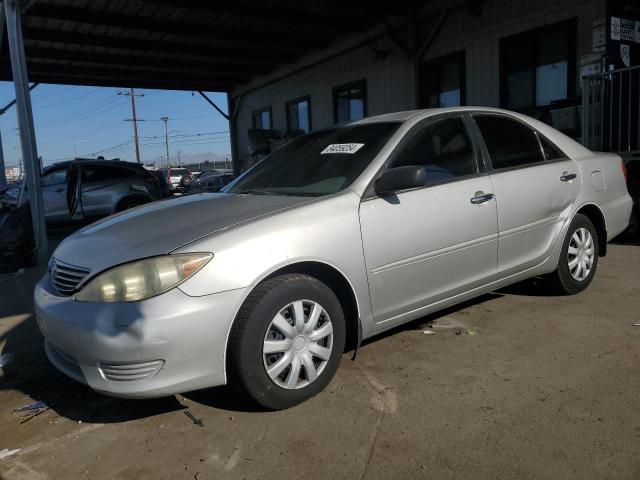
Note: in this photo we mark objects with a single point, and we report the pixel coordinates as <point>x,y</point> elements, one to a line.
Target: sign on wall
<point>623,33</point>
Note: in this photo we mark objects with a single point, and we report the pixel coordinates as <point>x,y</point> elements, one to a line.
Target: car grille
<point>130,371</point>
<point>67,278</point>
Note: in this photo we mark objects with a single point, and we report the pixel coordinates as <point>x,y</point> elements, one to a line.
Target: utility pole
<point>133,118</point>
<point>165,119</point>
<point>179,159</point>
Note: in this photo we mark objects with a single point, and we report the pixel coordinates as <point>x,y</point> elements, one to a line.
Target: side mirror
<point>401,178</point>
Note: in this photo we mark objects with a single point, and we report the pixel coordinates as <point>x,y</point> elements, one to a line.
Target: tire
<point>563,281</point>
<point>254,331</point>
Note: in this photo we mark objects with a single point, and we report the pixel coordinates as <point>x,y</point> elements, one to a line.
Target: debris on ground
<point>6,359</point>
<point>471,332</point>
<point>7,453</point>
<point>34,409</point>
<point>30,406</point>
<point>427,328</point>
<point>637,324</point>
<point>196,421</point>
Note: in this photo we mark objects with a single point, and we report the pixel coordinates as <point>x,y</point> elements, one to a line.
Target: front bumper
<point>168,344</point>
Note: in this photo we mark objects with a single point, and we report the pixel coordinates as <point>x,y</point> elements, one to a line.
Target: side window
<point>100,173</point>
<point>443,147</point>
<point>551,152</point>
<point>58,177</point>
<point>509,142</point>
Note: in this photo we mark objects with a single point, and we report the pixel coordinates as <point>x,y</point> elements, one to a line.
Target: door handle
<point>567,177</point>
<point>481,197</point>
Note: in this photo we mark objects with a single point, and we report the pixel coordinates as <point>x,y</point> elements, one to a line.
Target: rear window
<point>175,172</point>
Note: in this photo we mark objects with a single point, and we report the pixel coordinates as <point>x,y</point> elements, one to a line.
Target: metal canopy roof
<point>181,44</point>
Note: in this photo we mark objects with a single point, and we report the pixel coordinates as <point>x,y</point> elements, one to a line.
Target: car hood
<point>161,227</point>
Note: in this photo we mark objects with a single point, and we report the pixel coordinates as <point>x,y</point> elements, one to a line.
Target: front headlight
<point>143,278</point>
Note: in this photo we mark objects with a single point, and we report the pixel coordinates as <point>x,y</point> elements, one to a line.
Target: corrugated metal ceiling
<point>186,44</point>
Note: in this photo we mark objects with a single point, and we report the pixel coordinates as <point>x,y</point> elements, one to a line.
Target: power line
<point>174,119</point>
<point>88,112</point>
<point>52,93</point>
<point>226,132</point>
<point>86,94</point>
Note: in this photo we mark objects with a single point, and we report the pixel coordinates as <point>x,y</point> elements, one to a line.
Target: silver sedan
<point>337,236</point>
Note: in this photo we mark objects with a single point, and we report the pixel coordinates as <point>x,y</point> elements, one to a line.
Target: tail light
<point>624,170</point>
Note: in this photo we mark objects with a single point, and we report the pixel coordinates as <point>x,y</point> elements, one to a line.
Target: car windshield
<point>318,163</point>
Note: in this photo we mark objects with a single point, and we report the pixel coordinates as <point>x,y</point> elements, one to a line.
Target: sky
<point>90,121</point>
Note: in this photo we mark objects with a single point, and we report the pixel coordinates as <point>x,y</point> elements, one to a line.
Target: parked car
<point>633,185</point>
<point>337,236</point>
<point>105,186</point>
<point>209,181</point>
<point>162,182</point>
<point>174,176</point>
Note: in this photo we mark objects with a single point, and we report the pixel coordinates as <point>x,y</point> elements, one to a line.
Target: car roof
<point>420,114</point>
<point>90,161</point>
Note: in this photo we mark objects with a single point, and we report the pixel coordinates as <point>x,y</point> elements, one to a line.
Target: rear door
<point>101,188</point>
<point>428,244</point>
<point>534,194</point>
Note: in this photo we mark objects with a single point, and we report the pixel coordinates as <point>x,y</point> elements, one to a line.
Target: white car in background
<point>174,175</point>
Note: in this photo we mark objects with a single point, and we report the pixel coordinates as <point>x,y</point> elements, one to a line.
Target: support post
<point>27,131</point>
<point>3,177</point>
<point>233,135</point>
<point>231,118</point>
<point>414,59</point>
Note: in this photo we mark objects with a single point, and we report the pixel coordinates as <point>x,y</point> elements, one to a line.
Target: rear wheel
<point>578,258</point>
<point>287,341</point>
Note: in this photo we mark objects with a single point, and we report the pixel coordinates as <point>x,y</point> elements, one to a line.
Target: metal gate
<point>611,111</point>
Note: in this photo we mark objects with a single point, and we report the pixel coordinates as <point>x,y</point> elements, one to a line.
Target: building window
<point>350,102</point>
<point>538,67</point>
<point>262,119</point>
<point>299,114</point>
<point>442,81</point>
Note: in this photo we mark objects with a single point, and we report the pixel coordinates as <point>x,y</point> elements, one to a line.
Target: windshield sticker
<point>342,148</point>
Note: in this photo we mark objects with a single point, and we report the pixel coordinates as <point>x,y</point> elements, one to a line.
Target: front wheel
<point>287,341</point>
<point>578,258</point>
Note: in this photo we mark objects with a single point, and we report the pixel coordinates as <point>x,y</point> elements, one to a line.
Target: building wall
<point>389,73</point>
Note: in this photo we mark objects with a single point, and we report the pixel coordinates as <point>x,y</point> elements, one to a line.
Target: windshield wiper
<point>255,192</point>
<point>284,194</point>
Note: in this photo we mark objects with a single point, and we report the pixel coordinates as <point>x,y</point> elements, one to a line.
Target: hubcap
<point>580,254</point>
<point>297,345</point>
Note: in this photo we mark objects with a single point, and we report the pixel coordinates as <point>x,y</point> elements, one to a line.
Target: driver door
<point>54,195</point>
<point>428,244</point>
